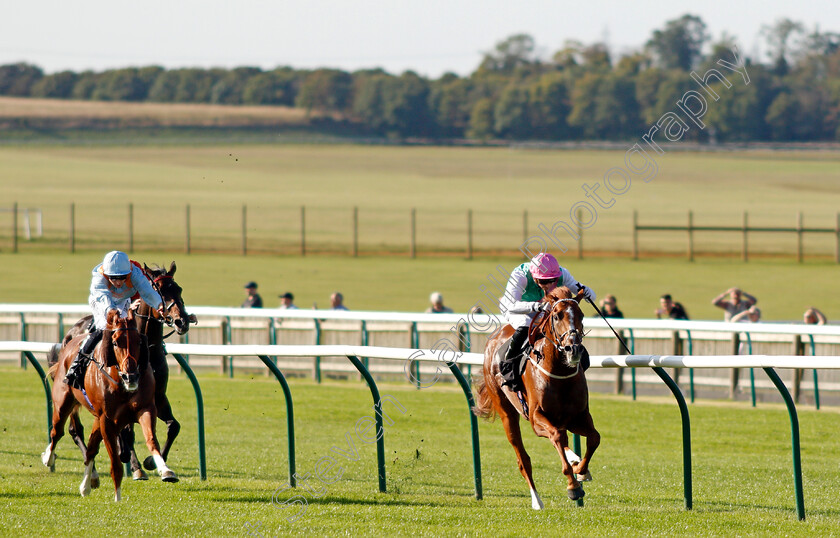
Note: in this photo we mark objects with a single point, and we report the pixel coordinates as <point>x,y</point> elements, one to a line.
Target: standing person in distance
<point>253,300</point>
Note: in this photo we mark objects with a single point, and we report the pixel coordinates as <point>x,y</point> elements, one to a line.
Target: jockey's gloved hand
<point>586,291</point>
<point>540,306</point>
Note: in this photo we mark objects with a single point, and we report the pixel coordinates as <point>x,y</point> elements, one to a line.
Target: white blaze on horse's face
<point>570,339</point>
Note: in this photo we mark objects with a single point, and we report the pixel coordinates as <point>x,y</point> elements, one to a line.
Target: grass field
<point>386,182</point>
<point>741,465</point>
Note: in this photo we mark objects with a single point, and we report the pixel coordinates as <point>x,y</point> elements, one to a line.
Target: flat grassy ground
<point>741,467</point>
<point>386,182</point>
<point>785,289</point>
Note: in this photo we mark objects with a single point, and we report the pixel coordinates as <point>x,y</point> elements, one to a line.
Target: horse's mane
<point>559,293</point>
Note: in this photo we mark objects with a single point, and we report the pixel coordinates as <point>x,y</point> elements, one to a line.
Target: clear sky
<point>429,36</point>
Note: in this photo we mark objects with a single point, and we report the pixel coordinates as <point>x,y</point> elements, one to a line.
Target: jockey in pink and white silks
<point>528,284</point>
<point>114,283</point>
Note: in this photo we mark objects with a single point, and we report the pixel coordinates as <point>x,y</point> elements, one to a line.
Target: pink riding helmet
<point>545,266</point>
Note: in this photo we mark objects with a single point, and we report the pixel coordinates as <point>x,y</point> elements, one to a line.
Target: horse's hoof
<point>139,474</point>
<point>84,489</point>
<point>94,482</point>
<point>584,477</point>
<point>48,459</point>
<point>149,463</point>
<point>575,494</point>
<point>169,476</point>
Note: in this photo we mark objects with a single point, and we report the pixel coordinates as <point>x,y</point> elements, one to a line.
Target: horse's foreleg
<point>147,419</point>
<point>90,454</point>
<point>77,432</point>
<point>593,440</point>
<point>128,455</point>
<point>109,437</point>
<point>514,435</point>
<point>173,427</point>
<point>63,403</point>
<point>560,440</point>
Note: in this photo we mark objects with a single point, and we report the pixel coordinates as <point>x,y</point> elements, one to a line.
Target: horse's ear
<point>580,294</point>
<point>148,272</point>
<point>112,318</point>
<point>171,269</point>
<point>108,355</point>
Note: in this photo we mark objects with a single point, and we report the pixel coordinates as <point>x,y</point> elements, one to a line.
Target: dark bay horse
<point>119,389</point>
<point>152,326</point>
<point>556,390</point>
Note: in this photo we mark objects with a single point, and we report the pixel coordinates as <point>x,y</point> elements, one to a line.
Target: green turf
<point>784,288</point>
<point>385,183</point>
<point>741,465</point>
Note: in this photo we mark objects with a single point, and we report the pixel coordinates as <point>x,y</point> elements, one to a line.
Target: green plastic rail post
<point>752,374</point>
<point>465,386</point>
<point>45,382</point>
<point>377,408</point>
<point>816,377</point>
<point>690,370</point>
<point>632,370</point>
<point>365,360</point>
<point>317,362</point>
<point>199,402</point>
<point>290,414</point>
<point>415,343</point>
<point>23,332</point>
<point>794,441</point>
<point>686,430</point>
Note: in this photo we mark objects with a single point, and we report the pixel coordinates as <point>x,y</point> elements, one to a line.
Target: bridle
<point>166,319</point>
<point>567,350</point>
<point>123,375</point>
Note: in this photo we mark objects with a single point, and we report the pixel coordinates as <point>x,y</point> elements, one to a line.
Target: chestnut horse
<point>119,389</point>
<point>556,391</point>
<point>151,325</point>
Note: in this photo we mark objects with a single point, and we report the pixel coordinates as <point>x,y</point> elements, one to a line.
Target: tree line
<point>581,92</point>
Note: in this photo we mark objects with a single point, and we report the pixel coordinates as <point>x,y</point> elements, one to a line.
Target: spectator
<point>337,301</point>
<point>476,310</point>
<point>737,302</point>
<point>287,301</point>
<point>253,300</point>
<point>609,308</point>
<point>437,304</point>
<point>750,315</point>
<point>812,316</point>
<point>668,308</point>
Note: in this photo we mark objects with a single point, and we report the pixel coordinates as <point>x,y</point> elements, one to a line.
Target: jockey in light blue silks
<point>528,284</point>
<point>114,283</point>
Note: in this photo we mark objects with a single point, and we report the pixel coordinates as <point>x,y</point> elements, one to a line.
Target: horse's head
<point>563,324</point>
<point>175,313</point>
<point>124,348</point>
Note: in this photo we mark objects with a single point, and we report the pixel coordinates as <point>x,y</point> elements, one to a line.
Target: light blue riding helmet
<point>116,263</point>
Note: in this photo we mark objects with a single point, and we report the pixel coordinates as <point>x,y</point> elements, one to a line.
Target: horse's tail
<point>483,407</point>
<point>52,370</point>
<point>52,355</point>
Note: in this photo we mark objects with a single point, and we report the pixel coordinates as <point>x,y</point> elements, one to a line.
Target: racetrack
<point>742,474</point>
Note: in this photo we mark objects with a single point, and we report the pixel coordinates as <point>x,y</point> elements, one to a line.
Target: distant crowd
<point>738,306</point>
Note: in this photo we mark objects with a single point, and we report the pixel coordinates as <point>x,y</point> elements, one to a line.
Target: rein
<point>610,326</point>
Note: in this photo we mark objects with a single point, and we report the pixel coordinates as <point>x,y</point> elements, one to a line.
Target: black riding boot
<point>508,367</point>
<point>75,376</point>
